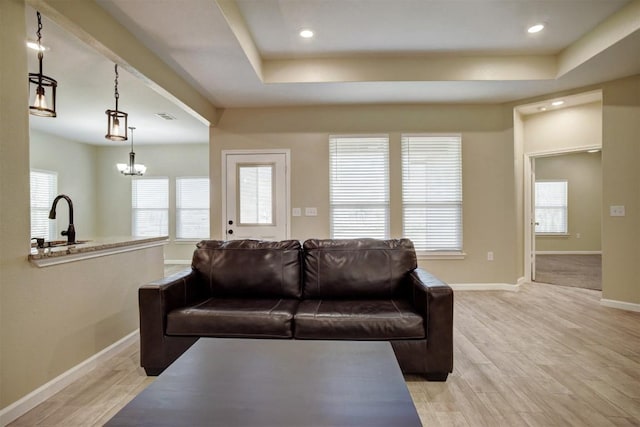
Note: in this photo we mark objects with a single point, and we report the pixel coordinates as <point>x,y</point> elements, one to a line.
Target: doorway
<point>255,194</point>
<point>565,204</point>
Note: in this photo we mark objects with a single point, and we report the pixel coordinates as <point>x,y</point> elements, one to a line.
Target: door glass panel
<point>255,183</point>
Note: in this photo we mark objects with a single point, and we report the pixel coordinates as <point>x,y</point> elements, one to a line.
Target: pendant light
<point>116,120</point>
<point>41,106</point>
<point>132,168</point>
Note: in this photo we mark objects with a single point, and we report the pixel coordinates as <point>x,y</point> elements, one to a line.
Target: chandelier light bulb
<point>40,100</point>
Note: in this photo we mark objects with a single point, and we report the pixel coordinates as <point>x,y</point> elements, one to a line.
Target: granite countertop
<point>87,248</point>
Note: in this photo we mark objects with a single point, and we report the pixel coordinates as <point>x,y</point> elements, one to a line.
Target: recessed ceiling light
<point>34,45</point>
<point>593,151</point>
<point>542,108</point>
<point>557,103</point>
<point>535,28</point>
<point>306,34</point>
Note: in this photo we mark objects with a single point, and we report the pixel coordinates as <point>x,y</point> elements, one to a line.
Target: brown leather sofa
<point>360,289</point>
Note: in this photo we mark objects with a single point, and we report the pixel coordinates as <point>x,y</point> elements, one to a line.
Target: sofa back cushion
<point>356,268</point>
<point>249,268</point>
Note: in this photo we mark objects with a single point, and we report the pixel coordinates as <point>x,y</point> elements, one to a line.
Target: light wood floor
<point>544,356</point>
<point>580,271</point>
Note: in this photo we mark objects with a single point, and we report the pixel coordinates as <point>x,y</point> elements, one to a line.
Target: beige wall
<point>487,153</point>
<point>53,318</point>
<point>583,172</point>
<point>621,186</point>
<point>566,128</point>
<point>75,164</point>
<point>171,161</point>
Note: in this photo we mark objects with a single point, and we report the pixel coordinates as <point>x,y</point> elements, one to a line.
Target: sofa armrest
<point>155,301</point>
<point>434,300</point>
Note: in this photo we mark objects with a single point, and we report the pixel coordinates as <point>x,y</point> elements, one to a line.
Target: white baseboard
<point>485,287</point>
<point>178,261</point>
<point>622,305</point>
<point>44,392</point>
<point>568,252</point>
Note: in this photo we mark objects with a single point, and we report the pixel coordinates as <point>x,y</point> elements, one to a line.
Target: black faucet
<point>70,232</point>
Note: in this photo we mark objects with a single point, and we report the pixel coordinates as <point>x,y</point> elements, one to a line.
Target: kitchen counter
<point>102,246</point>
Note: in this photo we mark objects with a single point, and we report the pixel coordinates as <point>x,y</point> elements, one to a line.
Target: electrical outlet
<point>616,210</point>
<point>490,256</point>
<point>578,235</point>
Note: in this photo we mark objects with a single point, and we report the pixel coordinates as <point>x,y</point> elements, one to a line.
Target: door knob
<point>230,232</point>
<point>230,222</point>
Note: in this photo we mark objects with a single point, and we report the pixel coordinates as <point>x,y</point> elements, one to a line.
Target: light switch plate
<point>310,211</point>
<point>296,212</point>
<point>616,210</point>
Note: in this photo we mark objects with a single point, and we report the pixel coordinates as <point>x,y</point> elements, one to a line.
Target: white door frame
<point>529,183</point>
<point>287,196</point>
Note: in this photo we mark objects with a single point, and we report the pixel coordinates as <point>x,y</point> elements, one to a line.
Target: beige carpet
<point>580,271</point>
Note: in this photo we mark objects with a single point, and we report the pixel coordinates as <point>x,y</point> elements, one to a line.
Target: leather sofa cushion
<point>357,320</point>
<point>231,317</point>
<point>356,268</point>
<point>249,268</point>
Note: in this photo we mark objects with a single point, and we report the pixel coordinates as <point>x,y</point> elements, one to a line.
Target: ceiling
<point>247,53</point>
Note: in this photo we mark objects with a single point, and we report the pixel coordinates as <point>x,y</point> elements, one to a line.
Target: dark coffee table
<point>254,382</point>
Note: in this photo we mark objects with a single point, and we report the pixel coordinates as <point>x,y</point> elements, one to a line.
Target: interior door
<point>533,218</point>
<point>256,196</point>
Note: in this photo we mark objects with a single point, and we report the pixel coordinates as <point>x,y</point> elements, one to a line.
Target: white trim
<point>568,252</point>
<point>177,261</point>
<point>287,178</point>
<point>622,305</point>
<point>44,392</point>
<point>485,286</point>
<point>188,241</point>
<point>440,255</point>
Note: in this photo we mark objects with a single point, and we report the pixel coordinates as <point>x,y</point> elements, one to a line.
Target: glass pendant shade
<point>116,125</point>
<point>43,87</point>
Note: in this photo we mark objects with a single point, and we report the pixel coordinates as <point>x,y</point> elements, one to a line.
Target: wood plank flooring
<point>580,271</point>
<point>544,356</point>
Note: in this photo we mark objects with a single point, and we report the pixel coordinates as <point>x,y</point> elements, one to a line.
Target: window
<point>150,207</point>
<point>255,183</point>
<point>44,187</point>
<point>432,191</point>
<point>192,208</point>
<point>551,207</point>
<point>359,186</point>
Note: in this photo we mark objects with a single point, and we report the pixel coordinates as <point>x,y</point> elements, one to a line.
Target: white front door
<point>257,195</point>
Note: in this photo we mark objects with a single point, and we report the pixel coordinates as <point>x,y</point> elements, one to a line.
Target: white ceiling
<point>363,52</point>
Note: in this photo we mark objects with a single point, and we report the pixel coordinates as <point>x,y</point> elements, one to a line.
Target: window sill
<point>187,241</point>
<point>440,255</point>
<point>562,235</point>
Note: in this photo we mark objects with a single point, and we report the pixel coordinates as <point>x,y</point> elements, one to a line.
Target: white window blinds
<point>551,206</point>
<point>150,207</point>
<point>44,187</point>
<point>432,191</point>
<point>192,208</point>
<point>255,184</point>
<point>359,186</point>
